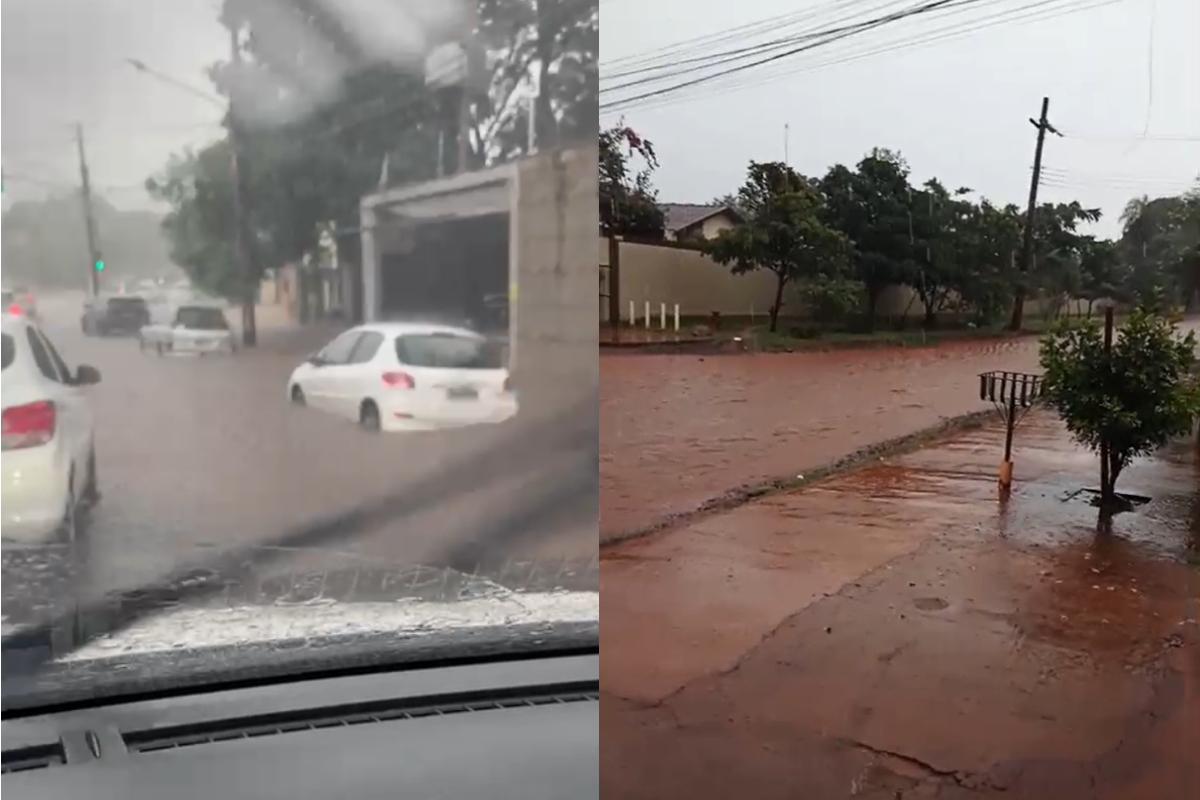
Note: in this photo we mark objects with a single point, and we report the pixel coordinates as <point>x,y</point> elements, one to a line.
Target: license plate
<point>462,393</point>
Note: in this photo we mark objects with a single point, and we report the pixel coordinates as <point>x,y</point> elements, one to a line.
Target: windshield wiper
<point>570,492</point>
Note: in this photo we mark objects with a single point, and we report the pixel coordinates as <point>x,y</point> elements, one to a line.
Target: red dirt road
<point>899,633</point>
<point>677,430</point>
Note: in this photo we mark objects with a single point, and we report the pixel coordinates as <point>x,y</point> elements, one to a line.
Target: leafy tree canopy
<point>628,201</point>
<point>783,232</point>
<point>1130,400</point>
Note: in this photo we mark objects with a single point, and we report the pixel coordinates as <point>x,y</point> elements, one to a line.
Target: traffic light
<point>99,265</point>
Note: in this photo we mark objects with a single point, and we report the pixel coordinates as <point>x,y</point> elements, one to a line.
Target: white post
<point>662,316</point>
<point>632,314</point>
<point>677,317</point>
<point>648,320</point>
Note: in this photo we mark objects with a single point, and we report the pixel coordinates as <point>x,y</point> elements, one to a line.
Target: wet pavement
<point>899,632</point>
<point>679,430</point>
<point>198,456</point>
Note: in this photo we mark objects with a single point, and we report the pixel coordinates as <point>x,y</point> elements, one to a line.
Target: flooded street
<point>677,430</point>
<point>900,632</point>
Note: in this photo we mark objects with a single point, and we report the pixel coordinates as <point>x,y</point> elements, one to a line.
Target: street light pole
<point>241,260</point>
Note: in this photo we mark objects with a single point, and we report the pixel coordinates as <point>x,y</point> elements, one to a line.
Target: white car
<point>195,329</point>
<point>407,376</point>
<point>49,461</point>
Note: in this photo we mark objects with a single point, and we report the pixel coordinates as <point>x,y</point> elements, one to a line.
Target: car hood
<point>189,648</point>
<point>210,628</point>
<point>286,623</point>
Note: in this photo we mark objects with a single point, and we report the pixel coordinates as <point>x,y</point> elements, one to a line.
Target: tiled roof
<point>683,215</point>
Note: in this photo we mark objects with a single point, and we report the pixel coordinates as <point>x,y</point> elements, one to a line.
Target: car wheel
<point>68,529</point>
<point>91,491</point>
<point>368,416</point>
<point>298,397</point>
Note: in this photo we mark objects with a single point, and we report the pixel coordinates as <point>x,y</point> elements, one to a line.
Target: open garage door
<point>455,270</point>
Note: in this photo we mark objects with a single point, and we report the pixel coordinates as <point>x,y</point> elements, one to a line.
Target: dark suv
<point>120,315</point>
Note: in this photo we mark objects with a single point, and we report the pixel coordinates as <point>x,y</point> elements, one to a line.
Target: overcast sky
<point>64,62</point>
<point>957,109</point>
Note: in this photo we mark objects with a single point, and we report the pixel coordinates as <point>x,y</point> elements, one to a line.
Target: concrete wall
<point>556,309</point>
<point>697,283</point>
<point>666,274</point>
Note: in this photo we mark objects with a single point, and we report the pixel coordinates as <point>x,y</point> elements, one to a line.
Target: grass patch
<point>806,336</point>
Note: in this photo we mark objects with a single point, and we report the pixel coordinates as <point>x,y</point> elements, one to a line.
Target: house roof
<point>684,215</point>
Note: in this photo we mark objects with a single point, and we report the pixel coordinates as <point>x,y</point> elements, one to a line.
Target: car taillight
<point>29,425</point>
<point>398,380</point>
<point>15,308</point>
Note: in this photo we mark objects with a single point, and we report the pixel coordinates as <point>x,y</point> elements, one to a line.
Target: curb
<point>740,496</point>
<point>722,346</point>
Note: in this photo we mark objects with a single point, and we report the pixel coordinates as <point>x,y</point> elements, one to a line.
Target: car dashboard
<point>504,730</point>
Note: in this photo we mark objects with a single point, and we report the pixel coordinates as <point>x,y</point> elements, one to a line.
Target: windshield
<point>448,351</point>
<point>287,171</point>
<point>202,319</point>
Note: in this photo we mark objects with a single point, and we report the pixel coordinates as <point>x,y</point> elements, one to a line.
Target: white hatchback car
<point>49,460</point>
<point>407,376</point>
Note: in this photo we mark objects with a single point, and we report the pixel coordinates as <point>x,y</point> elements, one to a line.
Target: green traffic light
<point>99,266</point>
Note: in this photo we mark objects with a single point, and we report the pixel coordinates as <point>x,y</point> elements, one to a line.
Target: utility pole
<point>89,218</point>
<point>241,261</point>
<point>1043,125</point>
<point>464,122</point>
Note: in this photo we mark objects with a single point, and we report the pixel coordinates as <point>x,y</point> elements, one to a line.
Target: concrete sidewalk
<point>898,632</point>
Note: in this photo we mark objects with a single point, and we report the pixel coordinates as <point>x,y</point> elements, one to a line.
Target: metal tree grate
<point>1013,394</point>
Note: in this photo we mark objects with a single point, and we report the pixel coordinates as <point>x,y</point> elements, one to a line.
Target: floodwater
<point>677,430</point>
<point>902,631</point>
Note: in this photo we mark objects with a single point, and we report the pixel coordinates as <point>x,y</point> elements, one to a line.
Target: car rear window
<point>448,351</point>
<point>126,302</point>
<point>7,299</point>
<point>10,351</point>
<point>202,319</point>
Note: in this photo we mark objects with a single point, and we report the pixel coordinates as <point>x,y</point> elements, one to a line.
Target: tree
<point>782,232</point>
<point>1100,270</point>
<point>1160,241</point>
<point>628,202</point>
<point>936,267</point>
<point>45,243</point>
<point>1124,402</point>
<point>199,225</point>
<point>1057,250</point>
<point>871,206</point>
<point>325,98</point>
<point>986,241</point>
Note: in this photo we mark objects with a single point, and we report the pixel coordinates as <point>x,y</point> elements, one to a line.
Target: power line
<point>1033,11</point>
<point>1131,137</point>
<point>673,55</point>
<point>1067,179</point>
<point>1038,10</point>
<point>713,60</point>
<point>831,36</point>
